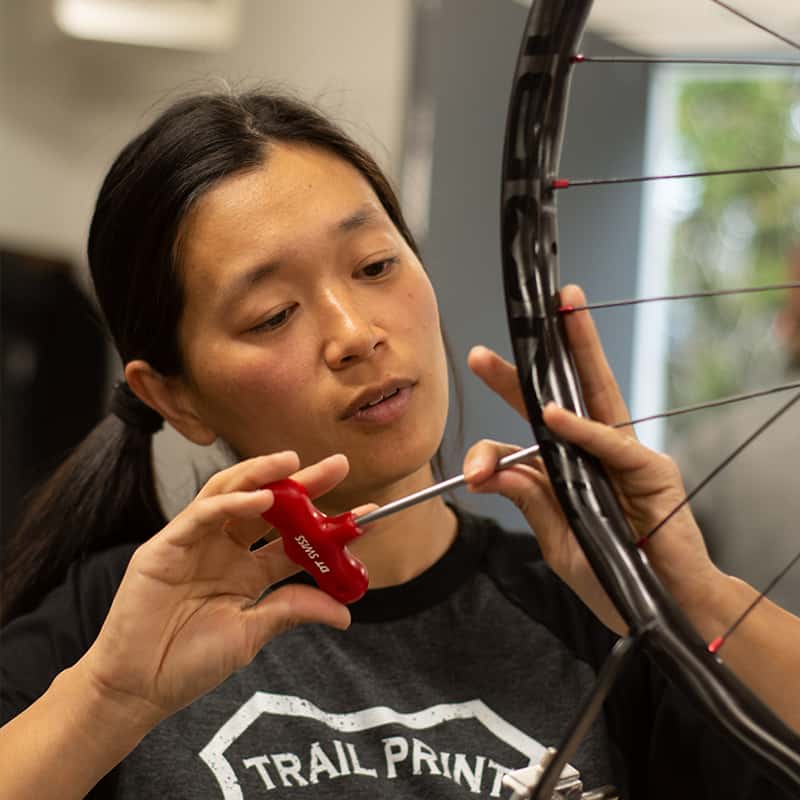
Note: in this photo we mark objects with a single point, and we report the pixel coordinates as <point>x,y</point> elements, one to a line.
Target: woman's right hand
<point>187,612</point>
<point>648,484</point>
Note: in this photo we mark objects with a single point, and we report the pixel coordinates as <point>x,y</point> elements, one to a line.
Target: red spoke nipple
<point>715,645</point>
<point>559,183</point>
<point>578,58</point>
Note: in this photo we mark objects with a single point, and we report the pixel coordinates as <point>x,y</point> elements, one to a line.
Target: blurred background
<point>424,85</point>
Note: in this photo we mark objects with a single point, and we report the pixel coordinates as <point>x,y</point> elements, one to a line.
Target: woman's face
<point>304,308</point>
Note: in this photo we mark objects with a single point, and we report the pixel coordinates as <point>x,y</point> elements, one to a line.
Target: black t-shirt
<point>439,687</point>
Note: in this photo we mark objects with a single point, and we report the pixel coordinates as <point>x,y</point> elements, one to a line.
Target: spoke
<point>772,287</point>
<point>757,24</point>
<point>714,472</point>
<point>566,183</point>
<point>714,646</point>
<point>751,62</point>
<point>737,398</point>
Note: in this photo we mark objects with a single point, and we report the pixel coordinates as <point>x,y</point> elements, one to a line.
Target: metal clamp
<point>523,781</point>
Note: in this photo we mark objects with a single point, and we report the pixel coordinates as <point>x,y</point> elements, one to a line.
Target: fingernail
<point>268,497</point>
<point>345,624</point>
<point>475,470</point>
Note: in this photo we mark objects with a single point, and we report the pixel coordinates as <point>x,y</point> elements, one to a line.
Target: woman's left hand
<point>648,484</point>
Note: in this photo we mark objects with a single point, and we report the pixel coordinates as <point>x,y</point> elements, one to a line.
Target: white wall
<point>67,106</point>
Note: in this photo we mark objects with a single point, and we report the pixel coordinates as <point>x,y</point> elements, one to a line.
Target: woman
<point>262,288</point>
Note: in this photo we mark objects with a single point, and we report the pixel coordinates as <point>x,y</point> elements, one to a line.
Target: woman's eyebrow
<point>365,215</point>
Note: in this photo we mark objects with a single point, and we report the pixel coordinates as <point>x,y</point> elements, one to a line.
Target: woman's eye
<point>275,321</point>
<point>379,268</point>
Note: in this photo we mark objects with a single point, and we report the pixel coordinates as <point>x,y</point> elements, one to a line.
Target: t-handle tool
<point>318,543</point>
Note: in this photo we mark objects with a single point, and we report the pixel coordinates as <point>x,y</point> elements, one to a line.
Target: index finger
<point>252,474</point>
<point>317,479</point>
<point>323,476</point>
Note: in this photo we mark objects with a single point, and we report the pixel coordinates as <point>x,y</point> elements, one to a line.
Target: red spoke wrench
<point>317,542</point>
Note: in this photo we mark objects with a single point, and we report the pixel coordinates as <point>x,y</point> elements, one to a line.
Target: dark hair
<point>105,493</point>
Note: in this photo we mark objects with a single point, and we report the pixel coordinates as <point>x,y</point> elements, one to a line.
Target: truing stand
<point>544,781</point>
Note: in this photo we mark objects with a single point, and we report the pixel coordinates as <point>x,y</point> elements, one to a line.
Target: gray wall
<point>470,49</point>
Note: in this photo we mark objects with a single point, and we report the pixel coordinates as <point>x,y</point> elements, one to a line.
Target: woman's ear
<point>170,398</point>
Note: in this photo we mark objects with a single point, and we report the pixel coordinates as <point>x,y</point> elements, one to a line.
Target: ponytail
<point>102,495</point>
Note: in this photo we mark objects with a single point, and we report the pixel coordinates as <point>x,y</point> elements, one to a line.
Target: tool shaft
<point>520,457</point>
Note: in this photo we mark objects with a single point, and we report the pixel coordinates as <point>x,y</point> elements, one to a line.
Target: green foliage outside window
<point>733,231</point>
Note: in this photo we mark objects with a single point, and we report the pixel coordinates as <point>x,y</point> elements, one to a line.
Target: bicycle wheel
<point>529,230</point>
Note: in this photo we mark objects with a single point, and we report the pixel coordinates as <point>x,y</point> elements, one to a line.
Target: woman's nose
<point>349,335</point>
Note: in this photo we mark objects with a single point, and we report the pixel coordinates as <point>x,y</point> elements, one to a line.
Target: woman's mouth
<point>385,409</point>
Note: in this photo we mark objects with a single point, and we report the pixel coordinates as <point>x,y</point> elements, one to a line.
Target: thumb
<point>529,489</point>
